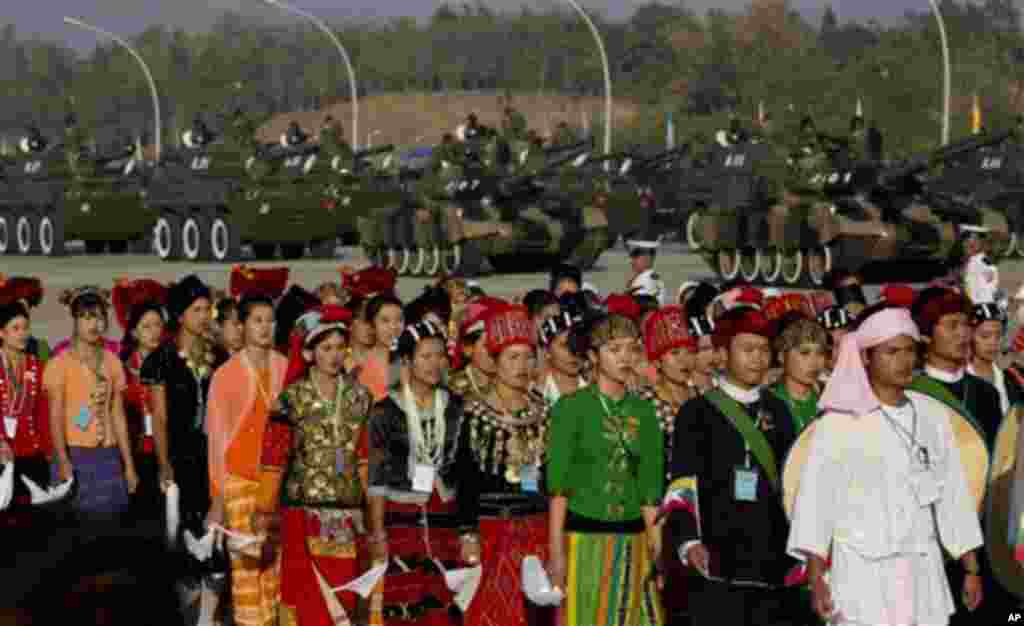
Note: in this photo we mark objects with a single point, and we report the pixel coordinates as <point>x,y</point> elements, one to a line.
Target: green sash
<point>934,389</point>
<point>751,434</point>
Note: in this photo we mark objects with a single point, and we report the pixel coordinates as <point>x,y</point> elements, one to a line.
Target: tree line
<point>700,68</point>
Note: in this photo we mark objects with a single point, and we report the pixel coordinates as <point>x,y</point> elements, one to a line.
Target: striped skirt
<point>609,581</point>
<point>255,589</point>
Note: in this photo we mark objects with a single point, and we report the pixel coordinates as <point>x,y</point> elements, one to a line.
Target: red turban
<point>744,320</point>
<point>370,282</point>
<point>508,326</point>
<point>933,303</point>
<point>898,295</point>
<point>665,330</point>
<point>128,294</point>
<point>265,281</point>
<point>624,305</point>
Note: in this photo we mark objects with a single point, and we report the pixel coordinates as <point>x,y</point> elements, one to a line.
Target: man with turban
<point>882,483</point>
<point>725,469</point>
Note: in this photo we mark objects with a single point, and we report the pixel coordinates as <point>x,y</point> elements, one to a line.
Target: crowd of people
<point>338,456</point>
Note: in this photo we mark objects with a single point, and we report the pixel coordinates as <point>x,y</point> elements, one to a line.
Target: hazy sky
<point>130,16</point>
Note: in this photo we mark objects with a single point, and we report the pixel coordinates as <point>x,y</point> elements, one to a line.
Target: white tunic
<point>981,279</point>
<point>858,496</point>
<point>648,283</point>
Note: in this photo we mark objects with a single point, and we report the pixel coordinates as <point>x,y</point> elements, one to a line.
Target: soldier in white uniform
<point>981,276</point>
<point>645,281</point>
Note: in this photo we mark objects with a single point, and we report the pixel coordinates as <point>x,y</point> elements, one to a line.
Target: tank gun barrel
<point>369,152</point>
<point>573,147</point>
<point>515,182</point>
<point>921,162</point>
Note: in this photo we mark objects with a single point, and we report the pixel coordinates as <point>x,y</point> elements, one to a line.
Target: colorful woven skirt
<point>504,543</point>
<point>255,588</point>
<point>414,592</point>
<point>327,542</point>
<point>609,581</point>
<point>101,488</point>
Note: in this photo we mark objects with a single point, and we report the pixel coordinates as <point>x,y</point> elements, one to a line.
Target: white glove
<point>46,496</point>
<point>6,485</point>
<point>537,584</point>
<point>172,511</point>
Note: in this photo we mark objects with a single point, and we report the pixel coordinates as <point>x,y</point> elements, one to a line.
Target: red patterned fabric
<point>300,589</point>
<point>504,543</point>
<point>508,326</point>
<point>32,412</point>
<point>136,404</point>
<point>369,282</point>
<point>277,444</point>
<point>127,294</point>
<point>666,330</point>
<point>267,281</point>
<point>623,304</point>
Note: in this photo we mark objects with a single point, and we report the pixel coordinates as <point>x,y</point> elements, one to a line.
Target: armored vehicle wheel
<point>292,251</point>
<point>95,247</point>
<point>375,255</point>
<point>819,263</point>
<point>1012,247</point>
<point>263,250</point>
<point>693,231</point>
<point>5,235</point>
<point>118,246</point>
<point>23,233</point>
<point>323,249</point>
<point>417,260</point>
<point>791,266</point>
<point>167,237</point>
<point>728,260</point>
<point>451,259</point>
<point>768,260</point>
<point>399,260</point>
<point>225,243</point>
<point>750,264</point>
<point>194,238</point>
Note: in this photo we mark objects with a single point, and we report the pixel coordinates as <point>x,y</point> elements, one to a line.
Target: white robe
<point>981,279</point>
<point>856,497</point>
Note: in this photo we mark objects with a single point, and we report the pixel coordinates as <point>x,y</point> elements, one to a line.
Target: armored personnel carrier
<point>213,197</point>
<point>51,194</point>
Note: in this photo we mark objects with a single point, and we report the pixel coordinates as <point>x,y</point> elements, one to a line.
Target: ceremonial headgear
<point>69,297</point>
<point>314,324</point>
<point>558,324</point>
<point>738,321</point>
<point>128,294</point>
<point>749,297</point>
<point>183,293</point>
<point>370,282</point>
<point>848,389</point>
<point>28,291</point>
<point>406,343</point>
<point>665,330</point>
<point>475,319</point>
<point>264,281</point>
<point>898,295</point>
<point>849,294</point>
<point>777,307</point>
<point>638,246</point>
<point>834,318</point>
<point>988,312</point>
<point>698,299</point>
<point>935,302</point>
<point>295,303</point>
<point>700,325</point>
<point>624,305</point>
<point>508,326</point>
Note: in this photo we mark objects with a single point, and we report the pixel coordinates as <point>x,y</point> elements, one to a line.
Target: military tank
<point>213,197</point>
<point>54,193</point>
<point>991,177</point>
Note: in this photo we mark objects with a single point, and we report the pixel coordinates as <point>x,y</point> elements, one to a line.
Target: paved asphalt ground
<point>674,263</point>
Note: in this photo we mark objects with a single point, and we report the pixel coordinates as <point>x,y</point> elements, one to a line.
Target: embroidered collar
<point>944,376</point>
<point>743,396</point>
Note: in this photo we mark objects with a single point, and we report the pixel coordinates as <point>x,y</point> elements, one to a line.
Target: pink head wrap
<point>848,389</point>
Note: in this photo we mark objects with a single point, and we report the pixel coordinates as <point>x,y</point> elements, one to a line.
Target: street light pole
<point>946,73</point>
<point>145,70</point>
<point>607,75</point>
<point>344,56</point>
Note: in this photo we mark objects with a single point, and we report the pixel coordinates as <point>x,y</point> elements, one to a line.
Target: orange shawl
<point>233,394</point>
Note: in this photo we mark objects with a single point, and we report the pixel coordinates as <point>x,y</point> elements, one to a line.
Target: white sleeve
<point>815,510</point>
<point>956,513</point>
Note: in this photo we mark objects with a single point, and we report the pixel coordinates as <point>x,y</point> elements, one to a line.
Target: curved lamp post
<point>946,78</point>
<point>344,56</point>
<point>145,70</point>
<point>607,75</point>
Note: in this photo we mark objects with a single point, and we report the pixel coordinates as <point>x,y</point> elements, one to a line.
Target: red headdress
<point>935,302</point>
<point>624,305</point>
<point>266,281</point>
<point>509,325</point>
<point>775,308</point>
<point>742,320</point>
<point>665,330</point>
<point>899,295</point>
<point>128,294</point>
<point>20,289</point>
<point>325,319</point>
<point>473,320</point>
<point>369,282</point>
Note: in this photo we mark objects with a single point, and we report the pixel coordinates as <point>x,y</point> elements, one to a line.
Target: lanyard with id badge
<point>924,484</point>
<point>745,479</point>
<point>426,440</point>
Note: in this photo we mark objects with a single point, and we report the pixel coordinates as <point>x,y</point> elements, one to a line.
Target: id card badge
<point>530,478</point>
<point>339,461</point>
<point>423,478</point>
<point>10,426</point>
<point>745,485</point>
<point>83,418</point>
